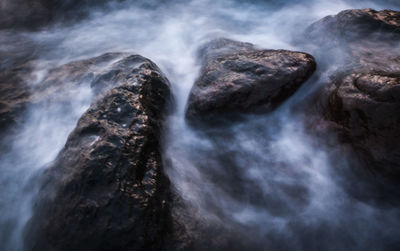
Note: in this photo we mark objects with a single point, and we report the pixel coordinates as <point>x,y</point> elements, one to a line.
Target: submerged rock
<point>16,64</point>
<point>107,189</point>
<point>99,74</point>
<point>14,95</point>
<point>239,78</point>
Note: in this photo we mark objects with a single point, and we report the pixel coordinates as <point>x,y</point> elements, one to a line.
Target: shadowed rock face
<point>238,78</point>
<point>366,106</point>
<point>14,95</point>
<point>362,97</point>
<point>107,190</point>
<point>15,66</point>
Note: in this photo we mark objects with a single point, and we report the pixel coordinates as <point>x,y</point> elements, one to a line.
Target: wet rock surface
<point>366,108</point>
<point>362,97</point>
<point>237,77</point>
<point>14,94</point>
<point>352,25</point>
<point>19,90</point>
<point>107,190</point>
<point>15,66</point>
<point>360,38</point>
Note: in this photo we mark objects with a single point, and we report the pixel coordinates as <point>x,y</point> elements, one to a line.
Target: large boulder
<point>356,24</point>
<point>239,78</point>
<point>362,98</point>
<point>356,38</point>
<point>107,189</point>
<point>366,106</point>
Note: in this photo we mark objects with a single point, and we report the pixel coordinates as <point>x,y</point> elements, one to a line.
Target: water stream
<point>266,177</point>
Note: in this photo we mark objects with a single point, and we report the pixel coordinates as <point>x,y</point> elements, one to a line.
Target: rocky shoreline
<point>108,190</point>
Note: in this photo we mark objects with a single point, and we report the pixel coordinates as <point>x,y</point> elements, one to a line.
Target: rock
<point>357,38</point>
<point>353,25</point>
<point>15,67</point>
<point>107,189</point>
<point>239,78</point>
<point>362,98</point>
<point>365,106</point>
<point>101,73</point>
<point>16,95</point>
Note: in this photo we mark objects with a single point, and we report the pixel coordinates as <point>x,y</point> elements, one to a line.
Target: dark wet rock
<point>352,25</point>
<point>357,38</point>
<point>239,78</point>
<point>365,106</point>
<point>107,189</point>
<point>100,73</point>
<point>14,95</point>
<point>362,98</point>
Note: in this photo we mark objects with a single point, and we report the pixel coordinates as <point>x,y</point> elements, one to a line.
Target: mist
<point>267,178</point>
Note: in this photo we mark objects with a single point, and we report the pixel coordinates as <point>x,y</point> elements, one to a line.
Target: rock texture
<point>239,78</point>
<point>358,38</point>
<point>352,25</point>
<point>14,94</point>
<point>366,107</point>
<point>362,97</point>
<point>107,190</point>
<point>15,66</point>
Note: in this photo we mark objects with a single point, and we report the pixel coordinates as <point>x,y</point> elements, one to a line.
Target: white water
<point>266,176</point>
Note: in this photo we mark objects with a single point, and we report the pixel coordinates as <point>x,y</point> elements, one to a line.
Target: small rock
<point>236,77</point>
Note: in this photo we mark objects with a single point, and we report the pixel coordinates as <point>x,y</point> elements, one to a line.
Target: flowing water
<point>267,177</point>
